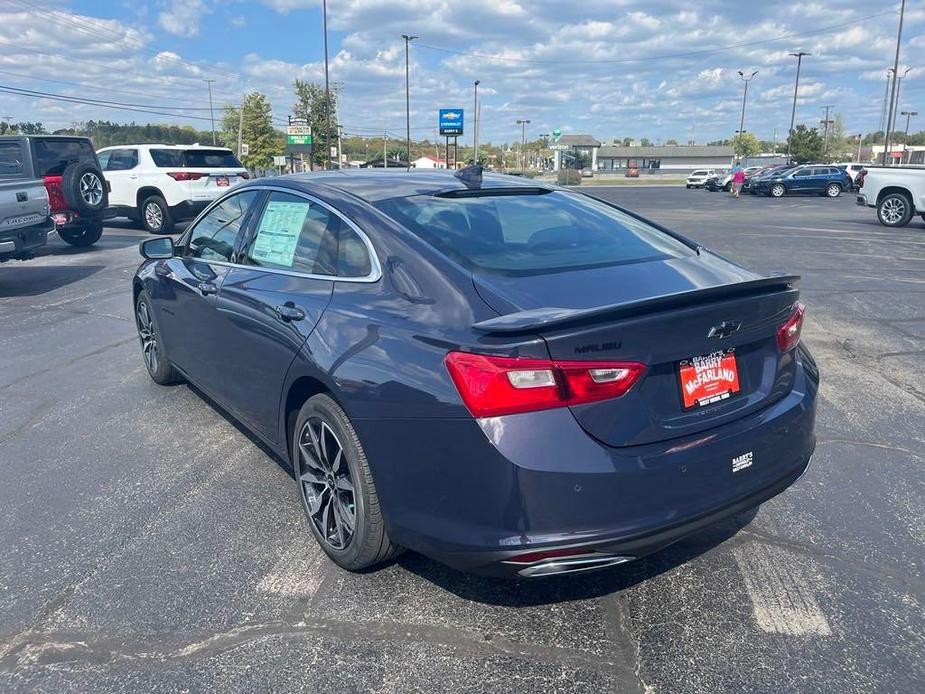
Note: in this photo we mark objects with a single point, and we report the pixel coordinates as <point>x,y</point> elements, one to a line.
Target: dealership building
<point>585,151</point>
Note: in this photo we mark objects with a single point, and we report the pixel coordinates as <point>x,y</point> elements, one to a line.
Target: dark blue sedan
<point>813,180</point>
<point>504,375</point>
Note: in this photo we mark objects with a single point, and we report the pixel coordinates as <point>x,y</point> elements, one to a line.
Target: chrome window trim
<point>374,275</point>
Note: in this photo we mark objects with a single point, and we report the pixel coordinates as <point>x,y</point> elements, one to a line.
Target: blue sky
<point>613,68</point>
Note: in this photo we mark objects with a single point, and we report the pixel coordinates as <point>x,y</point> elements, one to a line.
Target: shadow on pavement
<point>33,281</point>
<point>578,586</point>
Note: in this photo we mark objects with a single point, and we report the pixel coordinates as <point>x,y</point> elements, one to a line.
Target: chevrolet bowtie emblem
<point>724,329</point>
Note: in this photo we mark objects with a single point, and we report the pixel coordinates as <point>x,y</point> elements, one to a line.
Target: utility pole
<point>860,137</point>
<point>327,89</point>
<point>908,115</point>
<point>385,141</point>
<point>744,97</point>
<point>796,87</point>
<point>475,123</point>
<point>886,96</point>
<point>211,113</point>
<point>408,39</point>
<point>523,144</point>
<point>240,124</point>
<point>889,120</point>
<point>825,137</point>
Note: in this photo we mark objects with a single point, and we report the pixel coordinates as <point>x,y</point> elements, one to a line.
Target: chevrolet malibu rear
<point>528,382</point>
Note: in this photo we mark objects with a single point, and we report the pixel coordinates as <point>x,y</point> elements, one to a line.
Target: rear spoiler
<point>543,318</point>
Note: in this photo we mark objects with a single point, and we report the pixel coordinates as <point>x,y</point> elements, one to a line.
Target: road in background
<point>149,543</point>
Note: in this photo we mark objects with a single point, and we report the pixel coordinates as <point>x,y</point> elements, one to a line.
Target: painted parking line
<point>780,590</point>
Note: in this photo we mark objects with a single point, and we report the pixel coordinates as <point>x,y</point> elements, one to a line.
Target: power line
<point>665,56</point>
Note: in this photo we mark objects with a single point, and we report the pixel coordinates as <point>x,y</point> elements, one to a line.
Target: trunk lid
<point>660,313</point>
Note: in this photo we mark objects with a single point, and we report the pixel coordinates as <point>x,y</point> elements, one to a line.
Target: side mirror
<point>156,249</point>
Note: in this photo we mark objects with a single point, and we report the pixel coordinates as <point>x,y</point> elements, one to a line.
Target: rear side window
<point>213,237</point>
<point>524,234</point>
<point>52,156</point>
<point>167,158</point>
<point>294,233</point>
<point>11,159</point>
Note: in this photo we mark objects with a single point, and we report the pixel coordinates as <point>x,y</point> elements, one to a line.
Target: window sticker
<point>278,234</point>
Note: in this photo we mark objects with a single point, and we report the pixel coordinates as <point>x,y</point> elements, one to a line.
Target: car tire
<point>153,352</point>
<point>688,186</point>
<point>833,190</point>
<point>777,190</point>
<point>84,188</point>
<point>155,215</point>
<point>337,488</point>
<point>82,235</point>
<point>727,187</point>
<point>894,210</point>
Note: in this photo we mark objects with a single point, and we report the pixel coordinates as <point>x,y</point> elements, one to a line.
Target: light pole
<point>889,120</point>
<point>899,88</point>
<point>825,125</point>
<point>475,123</point>
<point>545,137</point>
<point>211,114</point>
<point>523,144</point>
<point>796,87</point>
<point>408,39</point>
<point>886,96</point>
<point>327,90</point>
<point>860,137</point>
<point>744,97</point>
<point>908,115</point>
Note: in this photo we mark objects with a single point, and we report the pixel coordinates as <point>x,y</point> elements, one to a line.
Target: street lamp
<point>744,97</point>
<point>523,144</point>
<point>891,115</point>
<point>899,86</point>
<point>545,137</point>
<point>408,39</point>
<point>796,87</point>
<point>327,90</point>
<point>475,123</point>
<point>908,115</point>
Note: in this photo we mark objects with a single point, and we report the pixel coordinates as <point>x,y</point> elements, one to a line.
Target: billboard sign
<point>450,121</point>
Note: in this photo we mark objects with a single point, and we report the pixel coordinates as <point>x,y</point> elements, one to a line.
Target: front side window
<point>532,233</point>
<point>213,237</point>
<point>121,160</point>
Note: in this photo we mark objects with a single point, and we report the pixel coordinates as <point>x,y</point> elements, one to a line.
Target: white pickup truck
<point>898,192</point>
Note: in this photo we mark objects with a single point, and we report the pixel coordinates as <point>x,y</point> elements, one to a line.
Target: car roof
<point>150,145</point>
<point>373,185</point>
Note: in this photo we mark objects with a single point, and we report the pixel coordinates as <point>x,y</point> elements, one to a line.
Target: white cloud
<point>183,17</point>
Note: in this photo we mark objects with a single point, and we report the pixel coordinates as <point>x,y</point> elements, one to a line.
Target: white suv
<point>158,185</point>
<point>697,178</point>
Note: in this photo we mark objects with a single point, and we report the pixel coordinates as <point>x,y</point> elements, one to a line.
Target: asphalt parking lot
<point>150,545</point>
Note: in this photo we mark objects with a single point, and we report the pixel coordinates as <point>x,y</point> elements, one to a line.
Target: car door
<point>272,299</point>
<point>801,180</point>
<point>120,168</point>
<point>185,293</point>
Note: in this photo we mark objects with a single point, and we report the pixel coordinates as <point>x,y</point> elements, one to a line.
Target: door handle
<point>289,312</point>
<point>207,288</point>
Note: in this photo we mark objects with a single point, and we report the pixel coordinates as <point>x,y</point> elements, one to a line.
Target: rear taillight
<point>788,335</point>
<point>186,175</point>
<point>862,174</point>
<point>492,386</point>
<point>56,200</point>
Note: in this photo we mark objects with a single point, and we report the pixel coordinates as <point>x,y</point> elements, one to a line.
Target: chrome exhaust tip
<point>574,564</point>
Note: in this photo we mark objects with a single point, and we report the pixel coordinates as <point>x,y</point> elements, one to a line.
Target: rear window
<point>11,159</point>
<point>195,158</point>
<point>699,173</point>
<point>525,234</point>
<point>52,155</point>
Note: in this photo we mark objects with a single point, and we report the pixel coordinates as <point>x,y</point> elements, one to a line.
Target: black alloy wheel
<point>336,487</point>
<point>158,365</point>
<point>327,485</point>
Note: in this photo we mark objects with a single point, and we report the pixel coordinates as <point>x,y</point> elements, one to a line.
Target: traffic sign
<point>450,121</point>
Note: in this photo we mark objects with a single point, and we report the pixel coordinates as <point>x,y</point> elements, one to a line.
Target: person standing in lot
<point>738,179</point>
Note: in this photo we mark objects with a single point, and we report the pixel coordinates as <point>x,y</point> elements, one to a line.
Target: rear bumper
<point>24,241</point>
<point>189,208</point>
<point>861,199</point>
<point>474,493</point>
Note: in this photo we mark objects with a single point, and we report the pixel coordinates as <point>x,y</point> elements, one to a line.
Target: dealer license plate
<point>708,379</point>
